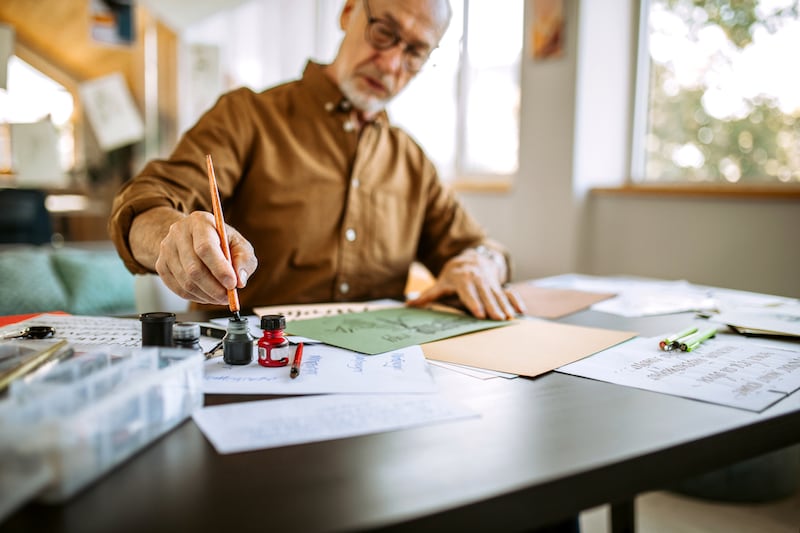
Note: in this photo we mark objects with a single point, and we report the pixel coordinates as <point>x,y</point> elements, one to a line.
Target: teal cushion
<point>96,282</point>
<point>29,283</point>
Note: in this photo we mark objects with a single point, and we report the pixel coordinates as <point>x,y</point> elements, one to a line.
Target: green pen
<point>695,340</point>
<point>670,342</point>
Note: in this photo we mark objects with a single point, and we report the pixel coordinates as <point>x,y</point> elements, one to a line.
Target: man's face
<point>376,60</point>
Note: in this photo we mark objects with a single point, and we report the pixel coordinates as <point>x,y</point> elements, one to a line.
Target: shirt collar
<point>329,96</point>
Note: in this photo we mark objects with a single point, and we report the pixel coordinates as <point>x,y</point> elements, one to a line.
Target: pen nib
<point>236,316</point>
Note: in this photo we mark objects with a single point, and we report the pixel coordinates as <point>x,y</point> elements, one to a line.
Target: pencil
<point>298,359</point>
<point>219,221</point>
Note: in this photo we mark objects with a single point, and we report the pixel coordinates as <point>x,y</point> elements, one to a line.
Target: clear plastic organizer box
<point>60,432</point>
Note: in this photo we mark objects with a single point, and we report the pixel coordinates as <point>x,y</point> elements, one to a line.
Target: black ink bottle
<point>186,335</point>
<point>157,328</point>
<point>237,345</point>
<point>273,347</point>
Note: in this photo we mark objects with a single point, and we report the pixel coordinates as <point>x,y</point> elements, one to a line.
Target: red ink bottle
<point>273,347</point>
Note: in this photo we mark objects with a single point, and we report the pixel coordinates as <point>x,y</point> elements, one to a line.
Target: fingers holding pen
<point>243,256</point>
<point>192,263</point>
<point>181,265</point>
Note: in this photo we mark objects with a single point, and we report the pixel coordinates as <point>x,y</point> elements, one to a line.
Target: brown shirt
<point>333,213</point>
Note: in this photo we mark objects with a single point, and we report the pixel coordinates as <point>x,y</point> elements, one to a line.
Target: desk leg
<point>623,516</point>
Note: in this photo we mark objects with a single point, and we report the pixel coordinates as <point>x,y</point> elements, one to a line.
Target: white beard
<point>369,105</point>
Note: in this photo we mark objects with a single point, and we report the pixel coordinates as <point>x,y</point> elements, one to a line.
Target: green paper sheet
<point>385,330</point>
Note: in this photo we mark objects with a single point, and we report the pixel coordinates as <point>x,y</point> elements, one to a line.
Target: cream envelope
<point>527,347</point>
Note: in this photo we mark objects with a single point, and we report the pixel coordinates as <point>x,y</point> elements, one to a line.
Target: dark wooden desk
<point>543,449</point>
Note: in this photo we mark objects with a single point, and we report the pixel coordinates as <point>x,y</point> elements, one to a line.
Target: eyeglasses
<point>382,35</point>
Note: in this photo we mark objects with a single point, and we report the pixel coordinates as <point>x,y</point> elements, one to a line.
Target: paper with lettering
<point>302,311</point>
<point>326,369</point>
<point>245,426</point>
<point>85,332</point>
<point>726,370</point>
<point>526,347</point>
<point>383,330</point>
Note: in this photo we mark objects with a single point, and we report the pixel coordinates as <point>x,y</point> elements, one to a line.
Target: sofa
<point>81,279</point>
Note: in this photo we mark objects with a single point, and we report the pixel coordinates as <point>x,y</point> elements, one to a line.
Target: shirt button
<point>344,288</point>
<point>356,184</point>
<point>350,234</point>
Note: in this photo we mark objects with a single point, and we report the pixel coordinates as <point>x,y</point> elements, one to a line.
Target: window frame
<point>465,179</point>
<point>636,182</point>
<point>71,85</point>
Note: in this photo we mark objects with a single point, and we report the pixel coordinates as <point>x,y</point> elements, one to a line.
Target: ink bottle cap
<point>273,322</point>
<point>186,335</point>
<point>237,345</point>
<point>157,328</point>
<point>273,347</point>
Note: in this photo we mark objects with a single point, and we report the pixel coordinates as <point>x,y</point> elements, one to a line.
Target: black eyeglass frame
<point>383,29</point>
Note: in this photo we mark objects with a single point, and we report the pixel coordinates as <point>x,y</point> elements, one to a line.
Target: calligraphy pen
<point>219,221</point>
<point>298,359</point>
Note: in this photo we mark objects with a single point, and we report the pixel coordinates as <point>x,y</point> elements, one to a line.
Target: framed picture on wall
<point>111,111</point>
<point>112,21</point>
<point>547,29</point>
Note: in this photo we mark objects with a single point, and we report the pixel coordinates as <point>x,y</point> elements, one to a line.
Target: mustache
<point>386,80</point>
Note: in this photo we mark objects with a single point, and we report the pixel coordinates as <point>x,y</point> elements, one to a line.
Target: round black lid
<point>157,317</point>
<point>273,322</point>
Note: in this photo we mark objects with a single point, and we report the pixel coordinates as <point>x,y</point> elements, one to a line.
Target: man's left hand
<point>476,278</point>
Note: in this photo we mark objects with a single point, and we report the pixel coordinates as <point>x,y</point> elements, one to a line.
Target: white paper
<point>87,331</point>
<point>245,426</point>
<point>302,311</point>
<point>205,78</point>
<point>112,113</point>
<point>326,369</point>
<point>732,299</point>
<point>34,155</point>
<point>480,373</point>
<point>781,319</point>
<point>726,370</point>
<point>638,297</point>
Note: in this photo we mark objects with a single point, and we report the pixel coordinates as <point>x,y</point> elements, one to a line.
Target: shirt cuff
<point>499,258</point>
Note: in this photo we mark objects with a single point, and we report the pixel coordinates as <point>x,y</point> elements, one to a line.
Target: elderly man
<point>335,201</point>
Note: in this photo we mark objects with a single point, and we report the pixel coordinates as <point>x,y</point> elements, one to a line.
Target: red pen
<point>298,359</point>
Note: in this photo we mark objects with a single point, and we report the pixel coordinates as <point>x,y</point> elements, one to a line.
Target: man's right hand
<point>185,251</point>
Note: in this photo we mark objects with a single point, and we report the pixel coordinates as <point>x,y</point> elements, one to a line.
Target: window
<point>721,92</point>
<point>31,97</point>
<point>471,84</point>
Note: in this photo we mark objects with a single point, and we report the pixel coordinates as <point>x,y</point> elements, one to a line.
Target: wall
<point>748,243</point>
<point>539,218</point>
<point>575,135</point>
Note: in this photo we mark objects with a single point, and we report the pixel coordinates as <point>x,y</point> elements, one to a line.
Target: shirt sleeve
<point>181,181</point>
